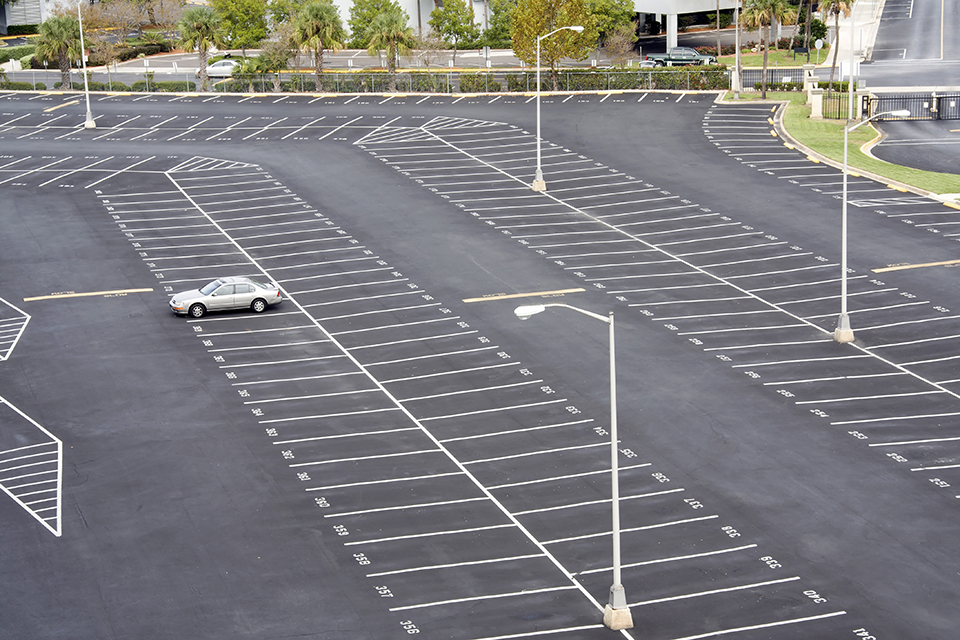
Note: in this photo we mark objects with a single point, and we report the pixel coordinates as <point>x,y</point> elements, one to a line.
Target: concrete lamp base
<point>90,124</point>
<point>843,332</point>
<point>617,619</point>
<point>538,183</point>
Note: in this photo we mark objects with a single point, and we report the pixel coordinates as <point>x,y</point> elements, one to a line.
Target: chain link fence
<point>689,79</point>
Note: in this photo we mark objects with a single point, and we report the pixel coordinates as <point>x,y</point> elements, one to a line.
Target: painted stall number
<point>384,592</point>
<point>857,435</point>
<point>341,530</point>
<point>772,563</point>
<point>243,393</point>
<point>273,433</point>
<point>287,454</point>
<point>897,457</point>
<point>303,476</point>
<point>321,502</point>
<point>816,597</point>
<point>257,411</point>
<point>361,559</point>
<point>940,483</point>
<point>660,477</point>
<point>864,634</point>
<point>409,627</point>
<point>629,453</point>
<point>694,503</point>
<point>730,531</point>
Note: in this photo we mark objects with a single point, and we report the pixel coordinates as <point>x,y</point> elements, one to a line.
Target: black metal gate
<point>922,106</point>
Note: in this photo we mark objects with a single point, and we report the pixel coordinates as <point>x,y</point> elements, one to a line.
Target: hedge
<point>128,53</point>
<point>15,53</point>
<point>22,29</point>
<point>166,86</point>
<point>478,82</point>
<point>22,86</point>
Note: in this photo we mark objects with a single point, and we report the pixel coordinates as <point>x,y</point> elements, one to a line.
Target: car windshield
<point>210,288</point>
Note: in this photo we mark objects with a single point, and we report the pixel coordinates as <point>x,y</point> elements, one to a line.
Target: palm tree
<point>835,8</point>
<point>59,38</point>
<point>389,32</point>
<point>318,27</point>
<point>762,13</point>
<point>199,29</point>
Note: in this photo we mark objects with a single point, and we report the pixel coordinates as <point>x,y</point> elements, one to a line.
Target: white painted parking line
<point>538,452</point>
<point>589,503</point>
<point>452,564</point>
<point>340,436</point>
<point>921,416</point>
<point>366,483</point>
<point>496,434</point>
<point>408,507</point>
<point>472,390</point>
<point>699,594</point>
<point>566,477</point>
<point>382,456</point>
<point>690,556</point>
<point>648,527</point>
<point>773,363</point>
<point>525,592</point>
<point>876,397</point>
<point>327,416</point>
<point>430,534</point>
<point>494,410</point>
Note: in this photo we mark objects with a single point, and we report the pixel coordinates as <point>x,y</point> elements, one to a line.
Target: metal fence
<point>922,106</point>
<point>688,79</point>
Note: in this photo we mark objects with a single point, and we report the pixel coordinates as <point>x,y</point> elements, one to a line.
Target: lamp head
<point>900,113</point>
<point>528,310</point>
<point>577,28</point>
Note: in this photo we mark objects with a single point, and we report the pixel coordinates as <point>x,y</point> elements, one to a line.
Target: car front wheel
<point>259,305</point>
<point>198,310</point>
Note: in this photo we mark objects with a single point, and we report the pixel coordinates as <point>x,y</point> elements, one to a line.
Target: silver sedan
<point>224,294</point>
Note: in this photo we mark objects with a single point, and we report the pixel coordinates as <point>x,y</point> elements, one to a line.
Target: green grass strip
<point>826,138</point>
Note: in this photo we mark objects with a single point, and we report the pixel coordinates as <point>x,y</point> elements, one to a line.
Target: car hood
<point>187,296</point>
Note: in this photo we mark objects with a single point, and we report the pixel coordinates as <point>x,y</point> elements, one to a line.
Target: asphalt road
<point>380,456</point>
<point>917,45</point>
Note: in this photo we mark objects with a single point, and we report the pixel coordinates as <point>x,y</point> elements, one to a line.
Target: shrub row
<point>23,86</point>
<point>22,29</point>
<point>15,53</point>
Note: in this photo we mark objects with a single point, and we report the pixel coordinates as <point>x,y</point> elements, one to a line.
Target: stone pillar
<point>809,84</point>
<point>671,31</point>
<point>807,74</point>
<point>816,103</point>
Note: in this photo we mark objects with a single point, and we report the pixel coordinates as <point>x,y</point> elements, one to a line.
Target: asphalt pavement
<point>391,451</point>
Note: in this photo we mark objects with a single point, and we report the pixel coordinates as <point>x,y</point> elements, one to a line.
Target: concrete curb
<point>785,135</point>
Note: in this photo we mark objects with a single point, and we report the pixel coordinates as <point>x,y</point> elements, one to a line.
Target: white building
<point>670,9</point>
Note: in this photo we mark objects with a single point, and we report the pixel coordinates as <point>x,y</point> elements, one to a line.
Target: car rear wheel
<point>198,310</point>
<point>259,305</point>
<point>659,63</point>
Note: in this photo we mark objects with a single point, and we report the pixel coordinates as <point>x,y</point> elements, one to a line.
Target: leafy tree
<point>534,18</point>
<point>318,27</point>
<point>165,14</point>
<point>499,27</point>
<point>835,8</point>
<point>244,22</point>
<point>619,43</point>
<point>389,32</point>
<point>362,15</point>
<point>453,21</point>
<point>200,30</point>
<point>758,14</point>
<point>283,11</point>
<point>610,14</point>
<point>59,40</point>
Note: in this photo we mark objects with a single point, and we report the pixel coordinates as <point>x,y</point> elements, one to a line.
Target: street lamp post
<point>89,123</point>
<point>843,332</point>
<point>616,614</point>
<point>538,183</point>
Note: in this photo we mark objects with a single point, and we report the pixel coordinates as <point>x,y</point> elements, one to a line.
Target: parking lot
<point>402,451</point>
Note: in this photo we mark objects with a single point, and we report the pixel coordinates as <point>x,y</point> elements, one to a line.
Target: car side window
<point>244,288</point>
<point>225,290</point>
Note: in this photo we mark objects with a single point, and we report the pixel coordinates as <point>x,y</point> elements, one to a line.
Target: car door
<point>222,298</point>
<point>244,295</point>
